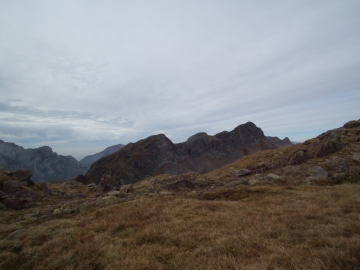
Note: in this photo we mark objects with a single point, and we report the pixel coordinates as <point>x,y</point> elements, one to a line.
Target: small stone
<point>109,199</point>
<point>115,193</point>
<point>166,192</point>
<point>306,182</point>
<point>253,182</point>
<point>242,172</point>
<point>274,176</point>
<point>126,188</point>
<point>57,211</point>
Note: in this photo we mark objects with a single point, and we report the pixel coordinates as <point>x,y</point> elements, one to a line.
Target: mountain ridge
<point>89,159</point>
<point>45,164</point>
<point>200,153</point>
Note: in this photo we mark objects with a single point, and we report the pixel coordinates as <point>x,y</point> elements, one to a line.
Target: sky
<point>82,75</point>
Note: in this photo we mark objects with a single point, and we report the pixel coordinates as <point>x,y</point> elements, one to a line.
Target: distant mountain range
<point>90,159</point>
<point>200,153</point>
<point>151,156</point>
<point>279,143</point>
<point>45,164</point>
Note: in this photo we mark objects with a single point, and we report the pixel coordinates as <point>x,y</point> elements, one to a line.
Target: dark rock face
<point>44,164</point>
<point>200,153</point>
<point>18,191</point>
<point>278,142</point>
<point>88,160</point>
<point>107,183</point>
<point>352,124</point>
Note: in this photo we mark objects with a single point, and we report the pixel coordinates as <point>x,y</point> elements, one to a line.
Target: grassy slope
<point>246,227</point>
<point>262,228</point>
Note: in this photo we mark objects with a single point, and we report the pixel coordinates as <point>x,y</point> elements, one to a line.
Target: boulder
<point>126,188</point>
<point>242,172</point>
<point>91,187</point>
<point>109,199</point>
<point>339,165</point>
<point>107,183</point>
<point>317,173</point>
<point>356,157</point>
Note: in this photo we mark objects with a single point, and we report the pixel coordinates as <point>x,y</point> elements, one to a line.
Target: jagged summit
<point>45,164</point>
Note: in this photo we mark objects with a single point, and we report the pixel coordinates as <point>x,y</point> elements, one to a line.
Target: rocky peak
<point>196,137</point>
<point>201,152</point>
<point>278,142</point>
<point>43,162</point>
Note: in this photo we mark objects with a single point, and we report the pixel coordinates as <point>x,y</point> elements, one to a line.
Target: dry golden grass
<point>255,228</point>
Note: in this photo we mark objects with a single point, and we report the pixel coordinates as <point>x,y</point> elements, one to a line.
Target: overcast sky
<point>83,75</point>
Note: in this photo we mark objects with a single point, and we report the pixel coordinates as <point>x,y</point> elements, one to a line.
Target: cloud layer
<point>82,75</point>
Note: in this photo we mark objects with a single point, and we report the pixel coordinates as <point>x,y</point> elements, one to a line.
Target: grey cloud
<point>120,71</point>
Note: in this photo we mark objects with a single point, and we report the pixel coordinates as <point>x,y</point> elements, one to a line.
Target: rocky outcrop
<point>18,191</point>
<point>158,155</point>
<point>44,164</point>
<point>88,160</point>
<point>278,142</point>
<point>107,183</point>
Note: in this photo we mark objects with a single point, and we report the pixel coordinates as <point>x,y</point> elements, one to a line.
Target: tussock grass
<point>262,228</point>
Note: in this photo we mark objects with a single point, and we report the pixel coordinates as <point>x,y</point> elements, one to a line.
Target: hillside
<point>158,155</point>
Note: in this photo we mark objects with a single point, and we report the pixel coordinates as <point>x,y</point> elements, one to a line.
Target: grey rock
<point>126,188</point>
<point>91,187</point>
<point>242,172</point>
<point>356,157</point>
<point>339,165</point>
<point>109,199</point>
<point>317,173</point>
<point>115,193</point>
<point>272,176</point>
